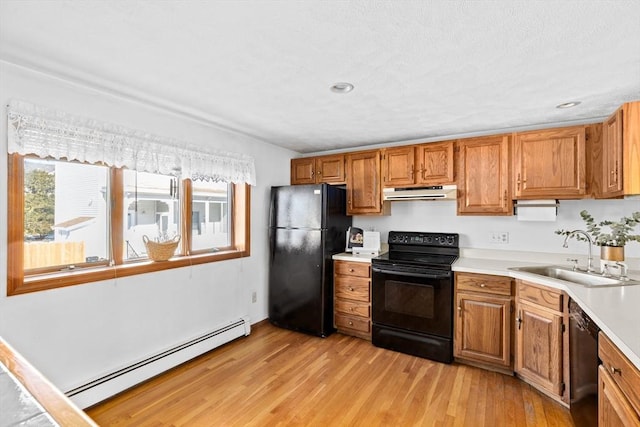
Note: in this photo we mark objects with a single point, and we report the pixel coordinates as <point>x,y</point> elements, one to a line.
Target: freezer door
<point>297,206</point>
<point>298,294</point>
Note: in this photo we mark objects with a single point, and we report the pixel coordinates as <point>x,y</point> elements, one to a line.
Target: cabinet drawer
<point>485,283</point>
<point>352,288</point>
<point>540,295</point>
<point>353,308</point>
<point>351,322</point>
<point>359,269</point>
<point>625,375</point>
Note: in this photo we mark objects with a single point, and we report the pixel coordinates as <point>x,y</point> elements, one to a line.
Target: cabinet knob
<point>350,323</point>
<point>615,370</point>
<point>482,285</point>
<point>351,309</point>
<point>351,270</point>
<point>351,289</point>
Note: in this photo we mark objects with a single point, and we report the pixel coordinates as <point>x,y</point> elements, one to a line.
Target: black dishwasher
<point>583,367</point>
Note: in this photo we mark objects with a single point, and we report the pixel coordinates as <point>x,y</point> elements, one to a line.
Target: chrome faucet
<point>623,270</point>
<point>590,268</point>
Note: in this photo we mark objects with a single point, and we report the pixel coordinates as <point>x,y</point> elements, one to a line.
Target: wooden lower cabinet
<point>618,387</point>
<point>613,407</point>
<point>483,320</point>
<point>352,298</point>
<point>542,339</point>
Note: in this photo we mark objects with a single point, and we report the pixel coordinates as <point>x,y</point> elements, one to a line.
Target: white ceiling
<point>421,69</point>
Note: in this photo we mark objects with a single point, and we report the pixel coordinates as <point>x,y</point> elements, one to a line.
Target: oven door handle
<point>409,274</point>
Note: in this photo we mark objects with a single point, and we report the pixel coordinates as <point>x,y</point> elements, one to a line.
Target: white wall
<point>440,216</point>
<point>76,333</point>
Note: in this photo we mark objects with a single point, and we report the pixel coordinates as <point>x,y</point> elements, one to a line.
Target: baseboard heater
<point>113,383</point>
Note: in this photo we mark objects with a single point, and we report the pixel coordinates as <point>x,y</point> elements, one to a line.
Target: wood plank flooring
<point>276,377</point>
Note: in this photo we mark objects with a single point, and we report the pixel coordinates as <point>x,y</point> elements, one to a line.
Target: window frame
<point>34,281</point>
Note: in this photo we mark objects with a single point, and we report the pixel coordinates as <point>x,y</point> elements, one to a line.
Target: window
<point>65,214</point>
<point>151,208</point>
<point>72,223</point>
<point>210,216</point>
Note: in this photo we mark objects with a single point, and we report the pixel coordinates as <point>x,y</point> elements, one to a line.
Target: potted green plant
<point>612,242</point>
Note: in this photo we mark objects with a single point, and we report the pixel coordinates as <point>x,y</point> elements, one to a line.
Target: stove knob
<point>429,239</point>
<point>450,240</point>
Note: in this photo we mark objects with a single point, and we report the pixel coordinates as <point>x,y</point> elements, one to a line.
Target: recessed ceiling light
<point>342,87</point>
<point>568,104</point>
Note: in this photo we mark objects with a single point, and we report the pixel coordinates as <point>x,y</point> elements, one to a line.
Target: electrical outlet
<point>254,296</point>
<point>499,237</point>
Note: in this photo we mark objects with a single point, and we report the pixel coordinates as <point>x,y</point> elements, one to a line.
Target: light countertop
<point>347,256</point>
<point>615,309</point>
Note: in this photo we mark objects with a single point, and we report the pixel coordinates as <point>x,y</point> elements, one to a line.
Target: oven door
<point>413,299</point>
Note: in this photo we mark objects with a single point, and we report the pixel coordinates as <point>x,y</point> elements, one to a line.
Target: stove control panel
<point>423,239</point>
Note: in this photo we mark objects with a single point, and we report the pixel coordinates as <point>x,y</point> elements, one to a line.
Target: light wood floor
<point>278,377</point>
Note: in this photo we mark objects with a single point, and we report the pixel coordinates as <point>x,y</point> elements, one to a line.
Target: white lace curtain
<point>49,133</point>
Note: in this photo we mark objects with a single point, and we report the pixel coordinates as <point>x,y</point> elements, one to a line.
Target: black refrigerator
<point>307,225</point>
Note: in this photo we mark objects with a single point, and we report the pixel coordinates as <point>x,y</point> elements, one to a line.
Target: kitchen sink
<point>578,277</point>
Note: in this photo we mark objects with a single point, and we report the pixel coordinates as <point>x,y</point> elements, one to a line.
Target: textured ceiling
<point>421,69</point>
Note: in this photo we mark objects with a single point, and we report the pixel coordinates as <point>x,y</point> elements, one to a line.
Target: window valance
<point>46,132</point>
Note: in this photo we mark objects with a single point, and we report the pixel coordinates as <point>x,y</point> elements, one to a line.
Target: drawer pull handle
<point>351,270</point>
<point>615,370</point>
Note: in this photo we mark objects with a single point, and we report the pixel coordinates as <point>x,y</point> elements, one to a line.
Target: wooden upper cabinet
<point>617,170</point>
<point>316,170</point>
<point>612,184</point>
<point>419,165</point>
<point>364,184</point>
<point>303,171</point>
<point>550,163</point>
<point>484,176</point>
<point>436,163</point>
<point>398,165</point>
<point>631,147</point>
<point>330,169</point>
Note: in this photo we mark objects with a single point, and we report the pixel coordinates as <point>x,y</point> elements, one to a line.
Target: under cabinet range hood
<point>437,192</point>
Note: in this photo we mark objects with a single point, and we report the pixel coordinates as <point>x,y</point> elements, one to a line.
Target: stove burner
<point>418,248</point>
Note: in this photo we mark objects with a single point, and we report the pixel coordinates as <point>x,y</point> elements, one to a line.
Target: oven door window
<point>413,303</point>
<point>408,299</point>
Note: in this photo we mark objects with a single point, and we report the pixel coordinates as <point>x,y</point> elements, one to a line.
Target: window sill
<point>61,279</point>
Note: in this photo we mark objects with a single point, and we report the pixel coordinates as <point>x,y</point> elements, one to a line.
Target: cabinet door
<point>539,347</point>
<point>330,169</point>
<point>612,155</point>
<point>398,166</point>
<point>363,183</point>
<point>303,171</point>
<point>483,176</point>
<point>613,407</point>
<point>631,147</point>
<point>482,329</point>
<point>435,163</point>
<point>550,163</point>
